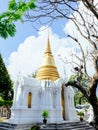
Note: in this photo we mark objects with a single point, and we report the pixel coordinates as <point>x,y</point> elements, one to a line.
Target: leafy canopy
<point>79,96</point>
<point>6,102</point>
<point>6,85</point>
<point>14,13</point>
<point>84,79</point>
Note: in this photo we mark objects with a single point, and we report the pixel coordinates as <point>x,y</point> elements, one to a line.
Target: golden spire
<point>48,49</point>
<point>48,70</point>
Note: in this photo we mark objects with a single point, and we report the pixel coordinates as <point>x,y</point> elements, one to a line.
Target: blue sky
<point>23,31</point>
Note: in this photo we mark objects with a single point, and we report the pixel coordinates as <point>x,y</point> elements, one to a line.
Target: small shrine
<point>45,92</point>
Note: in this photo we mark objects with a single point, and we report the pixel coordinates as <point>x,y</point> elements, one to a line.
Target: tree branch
<point>78,86</point>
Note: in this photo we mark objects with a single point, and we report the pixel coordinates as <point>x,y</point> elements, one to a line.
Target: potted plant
<point>45,115</point>
<point>81,115</point>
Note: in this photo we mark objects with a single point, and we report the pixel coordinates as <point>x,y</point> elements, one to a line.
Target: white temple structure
<point>45,92</point>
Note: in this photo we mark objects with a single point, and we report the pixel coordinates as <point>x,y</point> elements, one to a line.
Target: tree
<point>14,13</point>
<point>6,85</point>
<point>53,10</point>
<point>79,97</point>
<point>85,20</point>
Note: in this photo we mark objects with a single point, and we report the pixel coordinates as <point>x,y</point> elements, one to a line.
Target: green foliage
<point>34,74</point>
<point>45,113</point>
<point>6,103</point>
<point>14,13</point>
<point>79,97</point>
<point>6,85</point>
<point>81,114</point>
<point>73,77</point>
<point>35,127</point>
<point>84,79</point>
<point>7,29</point>
<point>12,5</point>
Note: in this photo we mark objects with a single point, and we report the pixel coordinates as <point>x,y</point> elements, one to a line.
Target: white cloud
<point>28,56</point>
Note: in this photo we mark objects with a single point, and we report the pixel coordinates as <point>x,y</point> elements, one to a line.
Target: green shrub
<point>45,113</point>
<point>36,127</point>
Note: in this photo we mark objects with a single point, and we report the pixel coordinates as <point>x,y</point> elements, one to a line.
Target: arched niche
<point>29,99</point>
<point>63,102</point>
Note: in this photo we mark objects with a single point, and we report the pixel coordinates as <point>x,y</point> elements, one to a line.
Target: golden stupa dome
<point>48,70</point>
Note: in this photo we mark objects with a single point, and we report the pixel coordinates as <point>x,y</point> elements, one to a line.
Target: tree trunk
<point>90,95</point>
<point>93,99</point>
<point>9,112</point>
<point>95,111</point>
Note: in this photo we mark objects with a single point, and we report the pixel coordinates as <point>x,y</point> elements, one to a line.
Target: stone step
<point>75,126</point>
<point>53,126</point>
<point>8,126</point>
<point>68,126</point>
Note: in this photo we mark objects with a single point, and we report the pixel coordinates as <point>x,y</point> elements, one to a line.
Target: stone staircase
<point>83,125</point>
<point>8,126</point>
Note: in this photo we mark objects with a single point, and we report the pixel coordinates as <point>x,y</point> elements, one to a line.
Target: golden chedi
<point>48,70</point>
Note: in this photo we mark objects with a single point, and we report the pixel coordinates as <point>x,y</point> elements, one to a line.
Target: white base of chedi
<point>32,96</point>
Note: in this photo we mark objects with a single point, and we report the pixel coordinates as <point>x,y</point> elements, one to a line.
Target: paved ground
<point>3,119</point>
